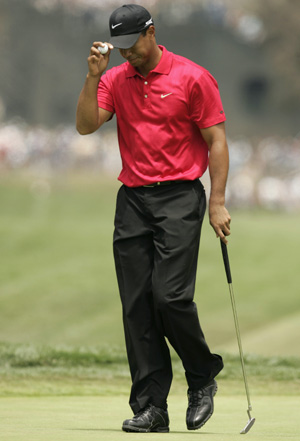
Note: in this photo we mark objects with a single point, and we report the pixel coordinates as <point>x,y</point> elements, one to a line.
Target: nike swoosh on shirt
<point>114,26</point>
<point>164,96</point>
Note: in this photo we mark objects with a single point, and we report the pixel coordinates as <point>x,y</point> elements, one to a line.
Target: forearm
<point>218,170</point>
<point>219,217</point>
<point>87,115</point>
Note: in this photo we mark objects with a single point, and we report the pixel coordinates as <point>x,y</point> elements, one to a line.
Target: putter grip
<point>226,261</point>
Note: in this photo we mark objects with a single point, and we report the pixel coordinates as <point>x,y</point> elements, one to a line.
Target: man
<point>170,119</point>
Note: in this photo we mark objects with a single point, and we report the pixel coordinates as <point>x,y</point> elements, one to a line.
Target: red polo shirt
<point>159,118</point>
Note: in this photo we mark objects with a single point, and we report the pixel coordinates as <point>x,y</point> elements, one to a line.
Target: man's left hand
<point>220,219</point>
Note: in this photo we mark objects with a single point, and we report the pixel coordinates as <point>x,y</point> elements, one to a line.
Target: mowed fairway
<point>58,282</point>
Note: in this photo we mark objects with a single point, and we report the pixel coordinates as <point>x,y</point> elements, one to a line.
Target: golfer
<point>170,122</point>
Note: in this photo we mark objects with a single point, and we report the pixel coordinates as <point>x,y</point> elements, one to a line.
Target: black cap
<point>126,23</point>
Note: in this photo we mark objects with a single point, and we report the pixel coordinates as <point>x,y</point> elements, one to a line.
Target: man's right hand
<point>97,62</point>
<point>89,117</point>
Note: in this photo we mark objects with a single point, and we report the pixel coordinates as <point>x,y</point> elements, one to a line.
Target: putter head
<point>248,426</point>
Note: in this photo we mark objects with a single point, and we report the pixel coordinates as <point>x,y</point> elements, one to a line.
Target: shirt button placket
<point>146,94</point>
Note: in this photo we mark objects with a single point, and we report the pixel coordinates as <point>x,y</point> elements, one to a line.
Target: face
<point>140,54</point>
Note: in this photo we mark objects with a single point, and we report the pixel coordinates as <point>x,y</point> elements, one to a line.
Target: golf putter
<point>229,280</point>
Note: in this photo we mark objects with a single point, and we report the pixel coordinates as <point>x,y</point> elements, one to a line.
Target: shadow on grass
<point>195,432</point>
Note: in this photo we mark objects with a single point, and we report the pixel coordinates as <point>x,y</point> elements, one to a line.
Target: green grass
<point>63,369</point>
<point>100,418</point>
<point>58,282</point>
<point>31,370</point>
<point>82,394</point>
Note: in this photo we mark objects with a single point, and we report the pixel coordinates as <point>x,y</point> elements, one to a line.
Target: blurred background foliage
<point>252,48</point>
<point>57,188</point>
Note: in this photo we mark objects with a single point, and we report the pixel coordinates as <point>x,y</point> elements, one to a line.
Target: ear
<point>151,31</point>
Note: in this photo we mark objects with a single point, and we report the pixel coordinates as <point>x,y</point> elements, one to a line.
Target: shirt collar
<point>163,67</point>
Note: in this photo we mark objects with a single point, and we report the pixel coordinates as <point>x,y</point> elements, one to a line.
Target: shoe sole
<point>139,430</point>
<point>208,416</point>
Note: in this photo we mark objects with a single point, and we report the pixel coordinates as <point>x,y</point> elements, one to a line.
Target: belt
<point>157,184</point>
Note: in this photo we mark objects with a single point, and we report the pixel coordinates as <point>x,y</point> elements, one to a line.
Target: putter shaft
<point>238,334</point>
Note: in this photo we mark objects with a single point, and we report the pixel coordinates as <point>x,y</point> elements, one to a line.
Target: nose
<point>126,52</point>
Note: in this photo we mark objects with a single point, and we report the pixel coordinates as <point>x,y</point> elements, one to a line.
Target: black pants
<point>156,243</point>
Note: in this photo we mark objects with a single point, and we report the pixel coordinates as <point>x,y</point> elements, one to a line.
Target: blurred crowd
<point>263,172</point>
<point>229,14</point>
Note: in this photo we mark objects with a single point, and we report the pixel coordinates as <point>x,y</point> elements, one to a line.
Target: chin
<point>133,62</point>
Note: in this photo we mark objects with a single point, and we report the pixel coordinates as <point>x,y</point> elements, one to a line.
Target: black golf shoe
<point>150,419</point>
<point>201,405</point>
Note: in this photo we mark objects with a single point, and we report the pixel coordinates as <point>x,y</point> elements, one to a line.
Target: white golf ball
<point>103,50</point>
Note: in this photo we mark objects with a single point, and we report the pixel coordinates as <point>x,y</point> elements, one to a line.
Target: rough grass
<point>30,370</point>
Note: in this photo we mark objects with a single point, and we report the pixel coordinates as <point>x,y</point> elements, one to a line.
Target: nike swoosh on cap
<point>114,26</point>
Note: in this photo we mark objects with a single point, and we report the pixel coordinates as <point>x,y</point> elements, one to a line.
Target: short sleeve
<point>206,107</point>
<point>104,94</point>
